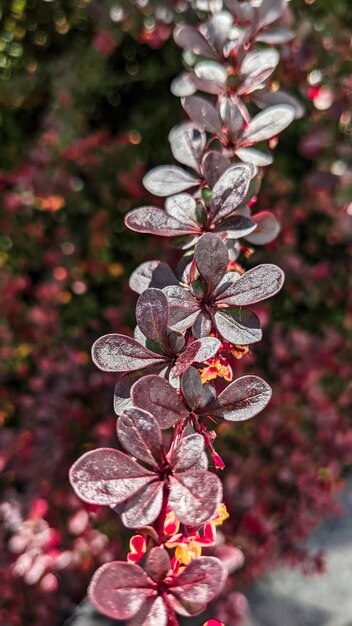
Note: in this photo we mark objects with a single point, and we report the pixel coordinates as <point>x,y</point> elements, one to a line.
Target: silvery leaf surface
<point>187,453</point>
<point>152,314</point>
<point>238,325</point>
<point>214,164</point>
<point>108,476</point>
<point>118,353</point>
<point>269,123</point>
<point>166,180</point>
<point>211,258</point>
<point>242,399</point>
<point>195,495</point>
<point>255,157</point>
<point>258,283</point>
<point>187,144</point>
<point>203,114</point>
<point>155,221</point>
<point>190,38</point>
<point>140,434</point>
<point>152,274</point>
<point>143,508</point>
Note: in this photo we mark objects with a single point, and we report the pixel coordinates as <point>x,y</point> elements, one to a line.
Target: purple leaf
<point>183,307</point>
<point>203,114</point>
<point>241,400</point>
<point>264,99</point>
<point>214,164</point>
<point>237,226</point>
<point>156,395</point>
<point>182,207</point>
<point>232,558</point>
<point>200,582</point>
<point>232,117</point>
<point>210,76</point>
<point>267,229</point>
<point>152,613</point>
<point>122,391</point>
<point>187,144</point>
<point>254,157</point>
<point>268,123</point>
<point>152,274</point>
<point>119,589</point>
<point>195,496</point>
<point>192,388</point>
<point>117,353</point>
<point>158,564</point>
<point>166,180</point>
<point>276,36</point>
<point>148,219</point>
<point>187,453</point>
<point>202,326</point>
<point>197,352</point>
<point>143,508</point>
<point>259,283</point>
<point>211,257</point>
<point>108,476</point>
<point>239,326</point>
<point>256,68</point>
<point>152,313</point>
<point>230,190</point>
<point>271,10</point>
<point>191,39</point>
<point>218,29</point>
<point>140,435</point>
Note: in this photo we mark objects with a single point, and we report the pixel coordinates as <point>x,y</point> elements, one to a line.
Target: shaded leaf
<point>158,564</point>
<point>148,219</point>
<point>211,257</point>
<point>201,581</point>
<point>214,164</point>
<point>152,314</point>
<point>267,229</point>
<point>192,388</point>
<point>107,476</point>
<point>183,307</point>
<point>203,114</point>
<point>166,180</point>
<point>195,496</point>
<point>152,613</point>
<point>190,38</point>
<point>237,226</point>
<point>202,326</point>
<point>156,395</point>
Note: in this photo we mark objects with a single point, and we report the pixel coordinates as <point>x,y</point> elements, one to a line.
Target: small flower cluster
<point>187,322</point>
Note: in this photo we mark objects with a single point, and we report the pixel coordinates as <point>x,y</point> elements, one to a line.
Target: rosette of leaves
<point>242,399</point>
<point>216,299</point>
<point>107,476</point>
<point>150,597</point>
<point>156,347</point>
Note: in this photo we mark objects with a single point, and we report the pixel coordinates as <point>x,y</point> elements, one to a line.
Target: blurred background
<point>85,110</point>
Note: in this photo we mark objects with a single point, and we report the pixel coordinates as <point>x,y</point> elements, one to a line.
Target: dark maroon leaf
<point>202,326</point>
<point>158,564</point>
<point>203,114</point>
<point>230,190</point>
<point>183,307</point>
<point>152,313</point>
<point>155,274</point>
<point>143,508</point>
<point>156,395</point>
<point>259,283</point>
<point>195,496</point>
<point>166,180</point>
<point>238,325</point>
<point>237,226</point>
<point>214,164</point>
<point>241,400</point>
<point>187,453</point>
<point>197,352</point>
<point>122,391</point>
<point>140,435</point>
<point>192,388</point>
<point>211,257</point>
<point>117,353</point>
<point>108,476</point>
<point>119,589</point>
<point>256,67</point>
